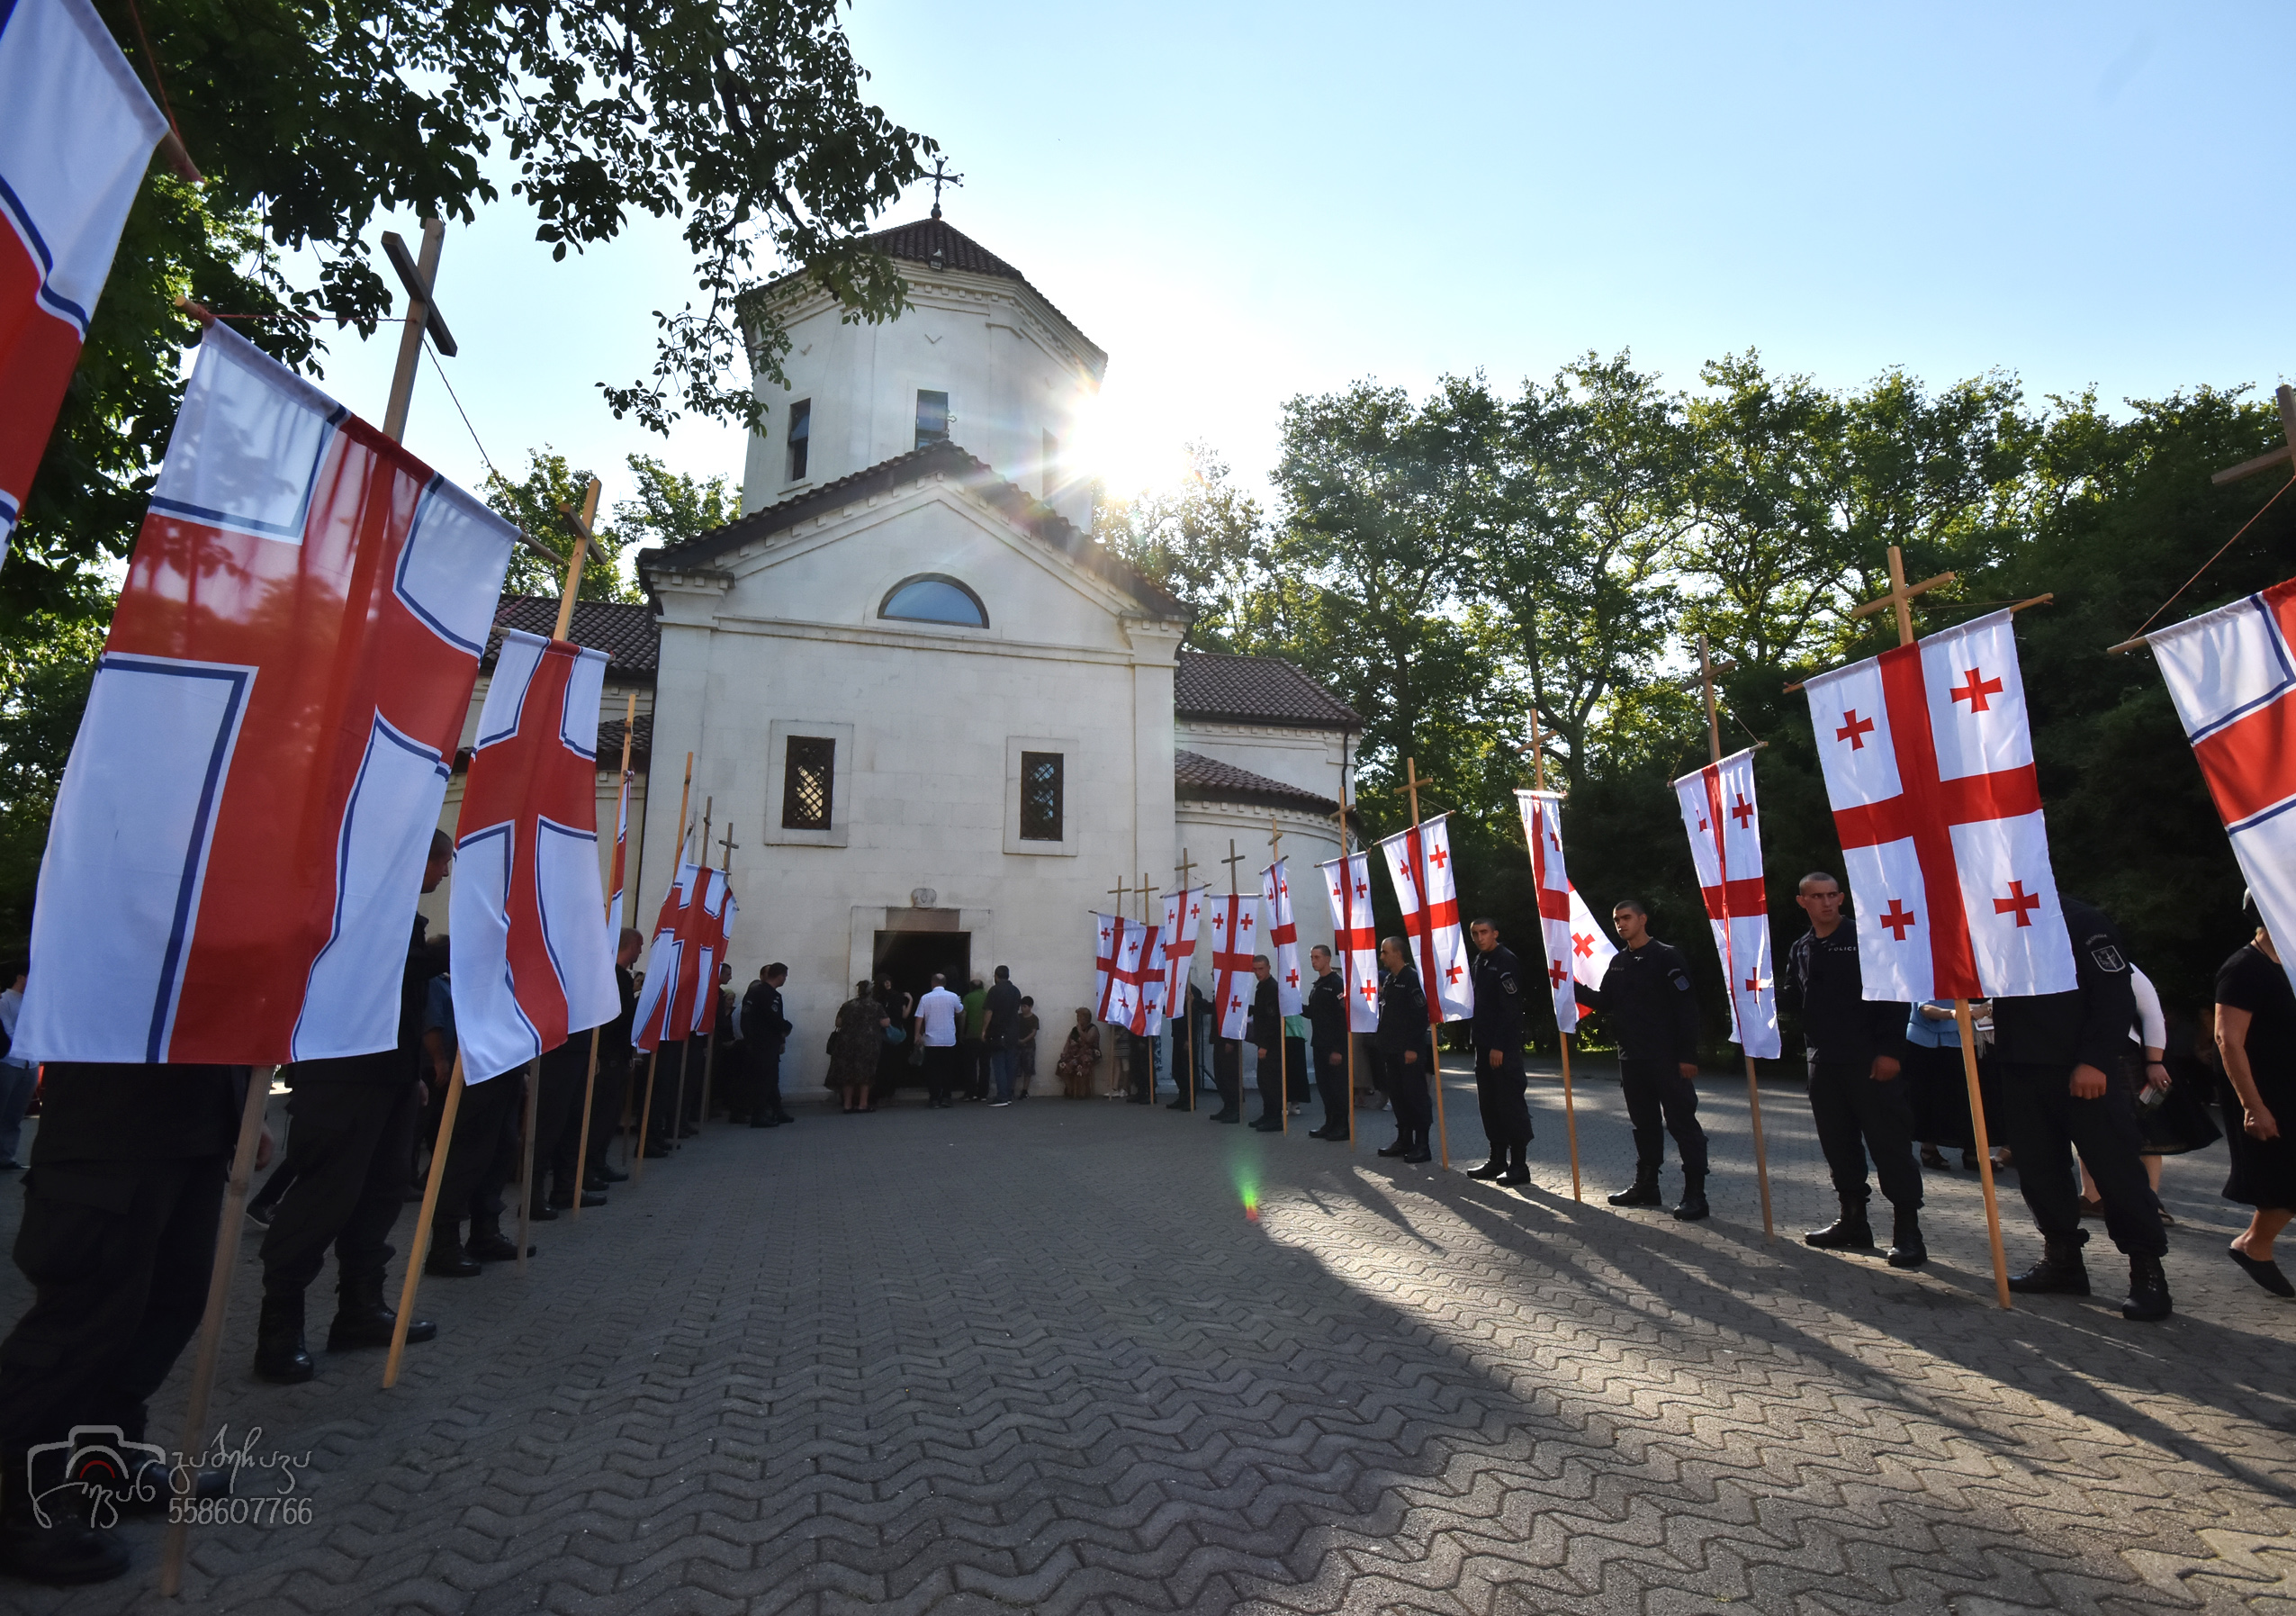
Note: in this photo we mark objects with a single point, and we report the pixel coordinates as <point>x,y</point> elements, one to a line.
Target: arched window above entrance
<point>932,598</point>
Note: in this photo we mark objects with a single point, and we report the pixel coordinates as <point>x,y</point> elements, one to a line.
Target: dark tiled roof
<point>934,460</point>
<point>609,747</point>
<point>1255,689</point>
<point>1201,778</point>
<point>628,634</point>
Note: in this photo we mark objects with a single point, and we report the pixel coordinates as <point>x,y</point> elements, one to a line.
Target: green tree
<point>532,505</point>
<point>672,508</point>
<point>1204,539</point>
<point>44,678</point>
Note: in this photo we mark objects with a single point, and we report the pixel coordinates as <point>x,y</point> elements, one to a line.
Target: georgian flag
<point>1419,860</point>
<point>688,940</point>
<point>1928,765</point>
<point>533,960</point>
<point>1347,882</point>
<point>1108,938</point>
<point>1235,928</point>
<point>2232,675</point>
<point>238,847</point>
<point>1182,911</point>
<point>75,135</point>
<point>1578,950</point>
<point>1276,897</point>
<point>1718,812</point>
<point>712,940</point>
<point>1136,988</point>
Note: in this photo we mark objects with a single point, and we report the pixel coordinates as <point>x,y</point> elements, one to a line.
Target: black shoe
<point>1269,1124</point>
<point>689,1132</point>
<point>605,1176</point>
<point>1401,1147</point>
<point>1515,1175</point>
<point>280,1355</point>
<point>1969,1160</point>
<point>1179,1105</point>
<point>542,1212</point>
<point>446,1260</point>
<point>262,1211</point>
<point>1338,1138</point>
<point>1932,1157</point>
<point>64,1554</point>
<point>145,1500</point>
<point>1489,1169</point>
<point>2061,1272</point>
<point>2147,1299</point>
<point>1849,1232</point>
<point>2264,1272</point>
<point>1693,1206</point>
<point>1227,1116</point>
<point>1643,1192</point>
<point>657,1153</point>
<point>764,1122</point>
<point>363,1319</point>
<point>1906,1249</point>
<point>1418,1152</point>
<point>590,1197</point>
<point>490,1246</point>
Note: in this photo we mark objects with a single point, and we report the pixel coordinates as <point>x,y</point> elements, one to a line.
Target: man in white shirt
<point>939,1015</point>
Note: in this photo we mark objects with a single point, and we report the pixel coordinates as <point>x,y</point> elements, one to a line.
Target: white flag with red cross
<point>712,934</point>
<point>1418,860</point>
<point>1135,987</point>
<point>1108,938</point>
<point>1182,913</point>
<point>1347,882</point>
<point>614,921</point>
<point>1283,934</point>
<point>1724,829</point>
<point>1929,763</point>
<point>532,959</point>
<point>1235,938</point>
<point>665,998</point>
<point>237,845</point>
<point>1578,950</point>
<point>2232,674</point>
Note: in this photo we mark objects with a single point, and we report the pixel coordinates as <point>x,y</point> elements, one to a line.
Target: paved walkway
<point>1043,1359</point>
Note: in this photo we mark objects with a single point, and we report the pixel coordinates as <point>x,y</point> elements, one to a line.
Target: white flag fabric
<point>1108,936</point>
<point>1418,862</point>
<point>669,966</point>
<point>1347,882</point>
<point>1234,937</point>
<point>1135,987</point>
<point>713,931</point>
<point>1578,950</point>
<point>1283,934</point>
<point>1182,913</point>
<point>1725,828</point>
<point>1929,765</point>
<point>2232,674</point>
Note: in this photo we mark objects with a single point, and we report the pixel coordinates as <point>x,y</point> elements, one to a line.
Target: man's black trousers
<point>558,1120</point>
<point>942,1063</point>
<point>119,1254</point>
<point>2047,1125</point>
<point>1856,1116</point>
<point>1659,1100</point>
<point>1407,1087</point>
<point>606,1107</point>
<point>1498,1092</point>
<point>347,1145</point>
<point>1291,1080</point>
<point>1331,1083</point>
<point>483,1156</point>
<point>765,1060</point>
<point>1228,1072</point>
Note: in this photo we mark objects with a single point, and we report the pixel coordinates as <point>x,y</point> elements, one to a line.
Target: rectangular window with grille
<point>1041,804</point>
<point>800,438</point>
<point>933,417</point>
<point>808,775</point>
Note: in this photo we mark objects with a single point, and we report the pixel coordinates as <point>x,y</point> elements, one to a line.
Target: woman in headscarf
<point>1079,1057</point>
<point>853,1047</point>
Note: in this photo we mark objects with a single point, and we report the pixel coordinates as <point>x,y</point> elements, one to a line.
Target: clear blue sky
<point>1244,204</point>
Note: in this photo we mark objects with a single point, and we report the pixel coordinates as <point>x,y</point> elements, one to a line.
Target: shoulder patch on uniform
<point>1681,982</point>
<point>1507,980</point>
<point>2106,955</point>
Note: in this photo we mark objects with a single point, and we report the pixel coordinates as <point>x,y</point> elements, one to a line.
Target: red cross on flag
<point>1234,935</point>
<point>1136,988</point>
<point>533,960</point>
<point>1182,913</point>
<point>614,921</point>
<point>75,135</point>
<point>1578,950</point>
<point>1418,860</point>
<point>713,940</point>
<point>1718,812</point>
<point>1929,765</point>
<point>689,937</point>
<point>1283,933</point>
<point>2233,678</point>
<point>238,846</point>
<point>1347,882</point>
<point>1108,937</point>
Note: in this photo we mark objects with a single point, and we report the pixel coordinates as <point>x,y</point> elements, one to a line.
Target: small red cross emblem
<point>1898,920</point>
<point>1291,976</point>
<point>1582,945</point>
<point>1702,821</point>
<point>1246,923</point>
<point>1371,994</point>
<point>1854,730</point>
<point>2019,903</point>
<point>1744,813</point>
<point>1753,984</point>
<point>1555,971</point>
<point>1362,890</point>
<point>1452,975</point>
<point>1974,693</point>
<point>1437,857</point>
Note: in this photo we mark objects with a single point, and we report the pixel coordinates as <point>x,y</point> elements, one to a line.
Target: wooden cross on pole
<point>420,279</point>
<point>941,176</point>
<point>1120,891</point>
<point>1185,869</point>
<point>585,546</point>
<point>1275,839</point>
<point>1147,896</point>
<point>2284,453</point>
<point>1231,860</point>
<point>1901,595</point>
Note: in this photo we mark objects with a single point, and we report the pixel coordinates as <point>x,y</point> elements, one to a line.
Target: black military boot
<point>1906,1249</point>
<point>1694,1198</point>
<point>1490,1168</point>
<point>1418,1150</point>
<point>1849,1232</point>
<point>280,1354</point>
<point>1518,1170</point>
<point>1642,1192</point>
<point>2060,1271</point>
<point>2147,1297</point>
<point>46,1539</point>
<point>1401,1147</point>
<point>363,1319</point>
<point>488,1243</point>
<point>446,1260</point>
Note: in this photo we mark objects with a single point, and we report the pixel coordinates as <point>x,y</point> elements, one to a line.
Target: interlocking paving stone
<point>1039,1360</point>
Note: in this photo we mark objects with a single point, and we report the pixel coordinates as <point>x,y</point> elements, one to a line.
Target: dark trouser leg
<point>1227,1073</point>
<point>606,1106</point>
<point>472,1181</point>
<point>768,1081</point>
<point>1835,1114</point>
<point>1641,1080</point>
<point>2046,1123</point>
<point>333,1140</point>
<point>939,1061</point>
<point>1498,1095</point>
<point>1886,1119</point>
<point>363,1248</point>
<point>1408,1087</point>
<point>1331,1083</point>
<point>119,1254</point>
<point>557,1114</point>
<point>667,1060</point>
<point>1678,1097</point>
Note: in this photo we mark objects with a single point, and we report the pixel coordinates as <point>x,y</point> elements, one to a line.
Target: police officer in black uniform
<point>1647,1005</point>
<point>766,1030</point>
<point>1328,1021</point>
<point>1265,1029</point>
<point>1858,1099</point>
<point>2065,1086</point>
<point>1406,1051</point>
<point>1500,1079</point>
<point>118,1240</point>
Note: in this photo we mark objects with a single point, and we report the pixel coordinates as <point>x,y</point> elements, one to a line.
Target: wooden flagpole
<point>1570,1105</point>
<point>1901,597</point>
<point>1231,860</point>
<point>1435,999</point>
<point>653,1056</point>
<point>686,1043</point>
<point>219,1302</point>
<point>590,1084</point>
<point>418,1249</point>
<point>1187,1016</point>
<point>1346,951</point>
<point>1283,1040</point>
<point>1753,1089</point>
<point>709,1056</point>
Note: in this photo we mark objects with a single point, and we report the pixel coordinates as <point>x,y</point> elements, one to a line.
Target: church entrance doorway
<point>911,959</point>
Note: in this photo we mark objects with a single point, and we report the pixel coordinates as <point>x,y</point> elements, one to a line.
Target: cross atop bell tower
<point>941,176</point>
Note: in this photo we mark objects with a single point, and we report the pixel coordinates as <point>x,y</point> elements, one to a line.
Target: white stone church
<point>941,723</point>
